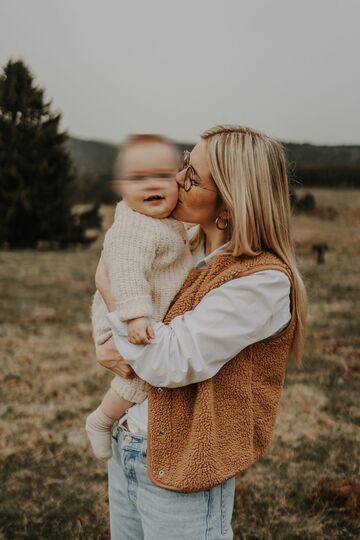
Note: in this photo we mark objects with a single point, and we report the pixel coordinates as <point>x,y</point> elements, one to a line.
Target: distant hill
<point>92,156</point>
<point>312,154</point>
<point>96,156</point>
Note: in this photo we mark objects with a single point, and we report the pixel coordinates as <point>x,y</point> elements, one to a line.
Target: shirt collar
<point>200,259</point>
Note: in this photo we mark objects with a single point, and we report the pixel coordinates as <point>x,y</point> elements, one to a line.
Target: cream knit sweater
<point>147,260</point>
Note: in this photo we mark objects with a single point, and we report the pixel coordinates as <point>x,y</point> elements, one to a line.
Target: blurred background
<point>75,79</point>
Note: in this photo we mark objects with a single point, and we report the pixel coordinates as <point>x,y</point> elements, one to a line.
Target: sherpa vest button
<point>159,389</point>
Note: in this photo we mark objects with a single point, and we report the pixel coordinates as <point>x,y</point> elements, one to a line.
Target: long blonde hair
<point>250,171</point>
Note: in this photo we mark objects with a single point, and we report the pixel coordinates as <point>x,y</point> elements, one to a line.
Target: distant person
<point>215,369</point>
<point>147,257</point>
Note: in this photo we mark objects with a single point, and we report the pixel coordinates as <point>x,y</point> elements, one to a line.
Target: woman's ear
<point>220,205</point>
<point>224,213</point>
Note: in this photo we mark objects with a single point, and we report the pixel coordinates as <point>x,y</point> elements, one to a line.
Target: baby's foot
<point>98,428</point>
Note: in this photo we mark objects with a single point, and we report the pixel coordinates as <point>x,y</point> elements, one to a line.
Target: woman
<point>217,364</point>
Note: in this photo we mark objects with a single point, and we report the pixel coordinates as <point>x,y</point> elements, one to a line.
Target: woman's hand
<point>108,356</point>
<point>103,285</point>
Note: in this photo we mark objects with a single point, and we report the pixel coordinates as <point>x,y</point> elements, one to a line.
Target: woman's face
<point>197,205</point>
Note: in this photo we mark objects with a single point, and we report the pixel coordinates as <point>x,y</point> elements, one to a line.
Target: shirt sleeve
<point>194,346</point>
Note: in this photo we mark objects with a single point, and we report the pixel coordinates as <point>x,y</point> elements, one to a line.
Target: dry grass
<point>307,487</point>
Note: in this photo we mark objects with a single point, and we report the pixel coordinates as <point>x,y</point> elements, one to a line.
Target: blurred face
<point>148,182</point>
<point>199,205</point>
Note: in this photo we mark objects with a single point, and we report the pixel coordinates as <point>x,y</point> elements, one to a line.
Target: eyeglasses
<point>141,178</point>
<point>189,181</point>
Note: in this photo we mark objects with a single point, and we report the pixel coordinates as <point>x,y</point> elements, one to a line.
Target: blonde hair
<point>250,171</point>
<point>144,138</point>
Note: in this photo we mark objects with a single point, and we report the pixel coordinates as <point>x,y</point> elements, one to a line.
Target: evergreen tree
<point>36,171</point>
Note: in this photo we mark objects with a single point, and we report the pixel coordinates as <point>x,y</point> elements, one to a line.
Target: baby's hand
<point>140,331</point>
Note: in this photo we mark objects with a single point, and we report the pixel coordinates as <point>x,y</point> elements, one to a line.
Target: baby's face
<point>148,182</point>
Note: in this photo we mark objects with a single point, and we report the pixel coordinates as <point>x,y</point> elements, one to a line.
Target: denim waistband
<point>122,421</point>
<point>129,441</point>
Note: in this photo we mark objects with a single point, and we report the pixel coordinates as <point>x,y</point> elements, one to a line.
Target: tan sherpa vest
<point>204,433</point>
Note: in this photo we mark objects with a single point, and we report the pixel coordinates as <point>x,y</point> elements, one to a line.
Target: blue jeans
<point>141,510</point>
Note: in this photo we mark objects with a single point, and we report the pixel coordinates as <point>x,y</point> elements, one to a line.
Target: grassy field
<point>307,487</point>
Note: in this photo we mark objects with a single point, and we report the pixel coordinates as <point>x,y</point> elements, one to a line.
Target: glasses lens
<point>186,159</point>
<point>187,181</point>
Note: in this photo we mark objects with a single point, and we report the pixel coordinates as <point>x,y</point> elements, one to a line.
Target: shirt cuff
<point>119,329</point>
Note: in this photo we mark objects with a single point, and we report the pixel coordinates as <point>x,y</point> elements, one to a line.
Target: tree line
<point>328,175</point>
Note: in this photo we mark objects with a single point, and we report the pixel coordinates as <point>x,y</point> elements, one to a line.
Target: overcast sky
<point>289,68</point>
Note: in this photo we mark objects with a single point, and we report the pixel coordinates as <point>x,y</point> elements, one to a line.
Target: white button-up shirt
<point>193,347</point>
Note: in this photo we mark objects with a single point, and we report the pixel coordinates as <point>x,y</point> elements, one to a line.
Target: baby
<point>147,257</point>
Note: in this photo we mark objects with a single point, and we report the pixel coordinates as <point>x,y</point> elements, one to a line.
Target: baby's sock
<point>98,428</point>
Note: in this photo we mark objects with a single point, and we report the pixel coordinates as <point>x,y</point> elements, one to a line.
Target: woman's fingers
<point>124,370</point>
<point>101,273</point>
<point>107,350</point>
<point>108,356</point>
<point>118,366</point>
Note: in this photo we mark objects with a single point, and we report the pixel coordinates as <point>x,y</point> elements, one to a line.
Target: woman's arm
<point>106,353</point>
<point>194,346</point>
<point>103,285</point>
<point>108,356</point>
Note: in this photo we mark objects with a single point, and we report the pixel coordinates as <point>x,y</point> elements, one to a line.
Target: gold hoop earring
<point>221,228</point>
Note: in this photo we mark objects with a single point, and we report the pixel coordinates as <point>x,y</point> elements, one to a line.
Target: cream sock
<point>98,428</point>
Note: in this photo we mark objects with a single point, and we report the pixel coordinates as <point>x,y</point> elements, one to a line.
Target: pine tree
<point>36,172</point>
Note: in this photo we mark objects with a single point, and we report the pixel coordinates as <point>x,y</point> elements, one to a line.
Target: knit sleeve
<point>129,251</point>
<point>131,389</point>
